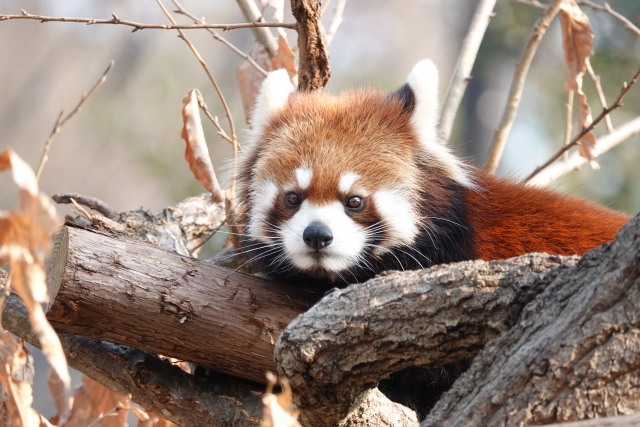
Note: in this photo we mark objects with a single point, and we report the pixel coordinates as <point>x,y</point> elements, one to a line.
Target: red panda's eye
<point>354,202</point>
<point>292,199</point>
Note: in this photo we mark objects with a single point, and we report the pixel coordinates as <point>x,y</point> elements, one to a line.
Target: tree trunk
<point>129,292</point>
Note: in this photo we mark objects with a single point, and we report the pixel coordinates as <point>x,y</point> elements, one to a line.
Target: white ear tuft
<point>273,95</point>
<point>424,82</point>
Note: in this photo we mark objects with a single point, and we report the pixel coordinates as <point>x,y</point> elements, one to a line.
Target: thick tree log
<point>151,381</point>
<point>355,337</point>
<point>574,354</point>
<point>131,293</point>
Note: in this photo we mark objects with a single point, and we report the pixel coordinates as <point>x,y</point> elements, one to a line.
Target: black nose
<point>317,235</point>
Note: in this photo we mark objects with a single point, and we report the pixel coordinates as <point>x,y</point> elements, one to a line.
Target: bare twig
<point>603,100</point>
<point>470,47</point>
<point>90,202</point>
<point>606,8</point>
<point>324,7</point>
<point>263,35</point>
<point>62,121</point>
<point>569,117</point>
<point>575,160</point>
<point>337,20</point>
<point>183,11</point>
<point>234,139</point>
<point>617,104</point>
<point>517,85</point>
<point>140,26</point>
<point>214,120</point>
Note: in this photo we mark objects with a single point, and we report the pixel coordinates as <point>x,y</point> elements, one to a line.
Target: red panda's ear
<point>422,103</point>
<point>273,96</point>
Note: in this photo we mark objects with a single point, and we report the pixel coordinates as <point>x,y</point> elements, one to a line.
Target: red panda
<point>336,189</point>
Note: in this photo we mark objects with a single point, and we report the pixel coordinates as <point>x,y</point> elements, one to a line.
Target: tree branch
<point>61,121</point>
<point>462,75</point>
<point>140,26</point>
<point>263,35</point>
<point>517,85</point>
<point>90,202</point>
<point>606,8</point>
<point>575,160</point>
<point>314,71</point>
<point>336,21</point>
<point>153,383</point>
<point>356,336</point>
<point>617,104</point>
<point>221,39</point>
<point>573,354</point>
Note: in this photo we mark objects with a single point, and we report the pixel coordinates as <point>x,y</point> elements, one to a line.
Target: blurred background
<point>125,148</point>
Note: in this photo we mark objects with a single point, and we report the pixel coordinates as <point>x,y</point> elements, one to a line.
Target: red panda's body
<point>510,219</point>
<point>336,189</point>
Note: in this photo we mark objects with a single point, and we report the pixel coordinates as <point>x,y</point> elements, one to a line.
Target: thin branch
<point>214,120</point>
<point>62,121</point>
<point>567,127</point>
<point>90,202</point>
<point>517,85</point>
<point>183,11</point>
<point>606,8</point>
<point>263,35</point>
<point>234,140</point>
<point>575,160</point>
<point>617,104</point>
<point>470,47</point>
<point>337,20</point>
<point>324,7</point>
<point>603,100</point>
<point>140,26</point>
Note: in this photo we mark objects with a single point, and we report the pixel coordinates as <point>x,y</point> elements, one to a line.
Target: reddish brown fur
<point>510,219</point>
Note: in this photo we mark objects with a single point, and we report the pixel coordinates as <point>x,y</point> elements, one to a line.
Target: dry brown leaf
<point>577,42</point>
<point>197,153</point>
<point>156,420</point>
<point>278,408</point>
<point>58,391</point>
<point>92,401</point>
<point>250,80</point>
<point>24,243</point>
<point>18,391</point>
<point>285,58</point>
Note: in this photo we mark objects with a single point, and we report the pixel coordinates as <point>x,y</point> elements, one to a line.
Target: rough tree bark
<point>313,71</point>
<point>357,336</point>
<point>152,382</point>
<point>574,353</point>
<point>129,292</point>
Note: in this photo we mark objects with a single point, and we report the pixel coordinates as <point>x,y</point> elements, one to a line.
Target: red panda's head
<point>332,184</point>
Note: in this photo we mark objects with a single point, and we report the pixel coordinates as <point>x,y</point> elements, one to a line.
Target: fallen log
<point>129,292</point>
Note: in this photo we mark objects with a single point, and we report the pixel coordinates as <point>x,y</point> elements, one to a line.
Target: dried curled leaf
<point>24,244</point>
<point>197,153</point>
<point>250,80</point>
<point>92,401</point>
<point>577,42</point>
<point>278,408</point>
<point>14,361</point>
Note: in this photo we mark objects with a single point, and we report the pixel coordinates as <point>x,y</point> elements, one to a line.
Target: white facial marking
<point>349,238</point>
<point>424,82</point>
<point>398,215</point>
<point>304,176</point>
<point>262,198</point>
<point>346,181</point>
